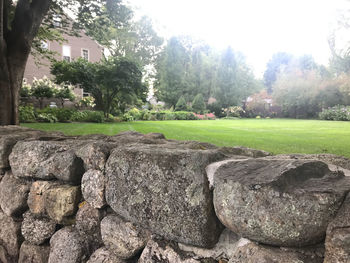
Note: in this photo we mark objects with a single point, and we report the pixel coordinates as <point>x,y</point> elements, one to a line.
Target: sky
<point>258,28</point>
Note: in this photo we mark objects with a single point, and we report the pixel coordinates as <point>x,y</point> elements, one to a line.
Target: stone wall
<point>142,198</point>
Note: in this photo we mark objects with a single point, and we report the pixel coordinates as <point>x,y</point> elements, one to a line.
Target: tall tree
<point>20,22</point>
<point>171,72</point>
<point>114,83</point>
<point>234,81</point>
<point>275,66</point>
<point>16,37</point>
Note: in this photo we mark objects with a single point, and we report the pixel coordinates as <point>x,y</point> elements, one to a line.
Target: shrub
<point>88,116</point>
<point>181,104</point>
<point>43,88</point>
<point>146,116</point>
<point>336,113</point>
<point>46,117</point>
<point>25,91</point>
<point>61,114</point>
<point>135,113</point>
<point>127,117</point>
<point>95,116</point>
<point>169,115</point>
<point>234,111</point>
<point>184,115</point>
<point>109,118</point>
<point>87,102</point>
<point>207,116</point>
<point>198,104</point>
<point>79,116</point>
<point>26,114</point>
<point>64,92</point>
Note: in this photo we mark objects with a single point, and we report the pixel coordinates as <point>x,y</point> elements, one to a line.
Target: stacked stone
<point>142,198</point>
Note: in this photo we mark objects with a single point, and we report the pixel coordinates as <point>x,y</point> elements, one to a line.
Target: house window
<point>85,54</point>
<point>44,45</point>
<point>66,54</point>
<point>57,20</point>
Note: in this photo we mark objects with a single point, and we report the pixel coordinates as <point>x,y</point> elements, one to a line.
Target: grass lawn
<point>273,135</point>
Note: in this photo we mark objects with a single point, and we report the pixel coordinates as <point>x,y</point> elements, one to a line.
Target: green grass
<point>273,135</point>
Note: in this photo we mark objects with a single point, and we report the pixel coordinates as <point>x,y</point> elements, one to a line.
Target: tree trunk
<point>15,46</point>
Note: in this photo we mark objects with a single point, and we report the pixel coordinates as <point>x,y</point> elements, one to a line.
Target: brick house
<point>75,47</point>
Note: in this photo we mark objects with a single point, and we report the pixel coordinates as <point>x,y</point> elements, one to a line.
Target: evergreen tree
<point>181,104</point>
<point>198,104</point>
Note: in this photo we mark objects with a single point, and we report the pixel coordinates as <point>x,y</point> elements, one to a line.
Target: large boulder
<point>244,151</point>
<point>93,186</point>
<point>46,160</point>
<point>330,159</point>
<point>121,238</point>
<point>33,254</point>
<point>88,224</point>
<point>250,252</point>
<point>36,230</point>
<point>13,195</point>
<point>10,236</point>
<point>10,135</point>
<point>338,236</point>
<point>67,246</point>
<point>164,189</point>
<point>278,202</point>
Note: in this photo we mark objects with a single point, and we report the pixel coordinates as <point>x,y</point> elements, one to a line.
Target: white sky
<point>258,28</point>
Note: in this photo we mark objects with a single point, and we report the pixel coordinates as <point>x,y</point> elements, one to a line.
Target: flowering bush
<point>207,116</point>
<point>336,113</point>
<point>87,102</point>
<point>234,111</point>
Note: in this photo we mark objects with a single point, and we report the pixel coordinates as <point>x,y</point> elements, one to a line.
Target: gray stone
<point>244,151</point>
<point>61,202</point>
<point>154,136</point>
<point>158,251</point>
<point>4,257</point>
<point>13,195</point>
<point>33,254</point>
<point>94,155</point>
<point>338,236</point>
<point>164,189</point>
<point>37,230</point>
<point>102,255</point>
<point>10,236</point>
<point>250,252</point>
<point>93,186</point>
<point>333,159</point>
<point>10,135</point>
<point>66,246</point>
<point>88,224</point>
<point>122,238</point>
<point>54,200</point>
<point>278,202</point>
<point>223,250</point>
<point>46,160</point>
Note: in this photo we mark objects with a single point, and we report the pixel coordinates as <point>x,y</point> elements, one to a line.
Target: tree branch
<point>26,22</point>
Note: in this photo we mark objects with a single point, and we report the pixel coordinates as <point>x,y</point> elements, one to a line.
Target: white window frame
<point>57,20</point>
<point>82,53</point>
<point>65,55</point>
<point>47,43</point>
